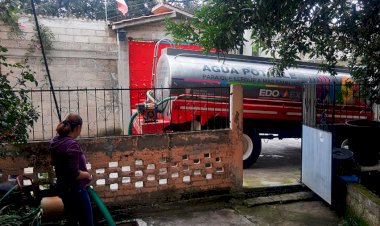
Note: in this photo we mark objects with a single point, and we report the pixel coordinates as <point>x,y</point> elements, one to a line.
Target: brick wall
<point>142,169</point>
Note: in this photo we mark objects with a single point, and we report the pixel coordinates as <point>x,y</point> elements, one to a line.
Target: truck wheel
<point>251,149</point>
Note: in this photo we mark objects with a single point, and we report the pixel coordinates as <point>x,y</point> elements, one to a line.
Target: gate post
<point>309,100</point>
<point>236,126</point>
<point>123,77</point>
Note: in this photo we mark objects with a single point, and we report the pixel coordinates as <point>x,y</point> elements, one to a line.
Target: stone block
<point>72,23</point>
<point>87,63</point>
<point>81,39</point>
<point>87,47</point>
<point>61,45</point>
<point>24,44</point>
<point>29,35</point>
<point>95,39</point>
<point>65,38</point>
<point>3,34</point>
<point>100,47</point>
<point>5,28</point>
<point>58,30</point>
<point>106,55</point>
<point>72,31</point>
<point>75,45</point>
<point>109,40</point>
<point>72,61</point>
<point>9,43</point>
<point>86,32</point>
<point>58,61</point>
<point>102,33</point>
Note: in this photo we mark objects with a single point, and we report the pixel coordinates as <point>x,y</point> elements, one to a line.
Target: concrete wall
<point>363,204</point>
<point>84,55</point>
<point>149,32</point>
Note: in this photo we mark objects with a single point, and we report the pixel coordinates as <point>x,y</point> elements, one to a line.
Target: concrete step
<point>282,198</point>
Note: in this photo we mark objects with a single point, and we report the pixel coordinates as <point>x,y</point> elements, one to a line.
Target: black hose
<point>45,61</point>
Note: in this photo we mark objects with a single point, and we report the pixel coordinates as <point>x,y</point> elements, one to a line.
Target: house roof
<point>162,7</point>
<point>160,12</point>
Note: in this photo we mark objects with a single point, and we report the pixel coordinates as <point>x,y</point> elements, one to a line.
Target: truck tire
<point>252,148</point>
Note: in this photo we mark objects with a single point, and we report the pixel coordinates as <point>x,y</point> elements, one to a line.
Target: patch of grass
<point>287,181</point>
<point>364,191</point>
<point>351,219</point>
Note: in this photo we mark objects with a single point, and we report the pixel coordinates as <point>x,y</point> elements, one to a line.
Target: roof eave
<point>143,21</point>
<point>173,9</point>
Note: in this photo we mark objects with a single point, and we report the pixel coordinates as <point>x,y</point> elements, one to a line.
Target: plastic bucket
<point>363,141</point>
<point>342,162</point>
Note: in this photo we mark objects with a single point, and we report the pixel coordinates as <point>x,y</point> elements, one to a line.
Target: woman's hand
<point>84,175</point>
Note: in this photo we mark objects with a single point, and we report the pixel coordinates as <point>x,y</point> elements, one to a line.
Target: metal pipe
<point>45,61</point>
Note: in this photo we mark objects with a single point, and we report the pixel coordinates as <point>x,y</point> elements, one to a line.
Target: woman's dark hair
<point>71,122</point>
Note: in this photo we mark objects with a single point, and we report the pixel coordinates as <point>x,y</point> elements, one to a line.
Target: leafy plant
<point>16,216</point>
<point>324,30</point>
<point>47,37</point>
<point>8,15</point>
<point>16,110</point>
<point>17,113</point>
<point>94,9</point>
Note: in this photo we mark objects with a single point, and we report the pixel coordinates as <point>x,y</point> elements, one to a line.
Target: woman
<point>71,171</point>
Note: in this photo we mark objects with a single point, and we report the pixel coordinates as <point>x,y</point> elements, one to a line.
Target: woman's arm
<point>74,156</point>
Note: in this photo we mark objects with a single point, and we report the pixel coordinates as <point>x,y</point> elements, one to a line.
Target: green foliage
<point>329,31</point>
<point>16,111</point>
<point>217,25</point>
<point>16,216</point>
<point>255,49</point>
<point>187,5</point>
<point>47,37</point>
<point>95,9</point>
<point>351,219</point>
<point>90,9</point>
<point>8,14</point>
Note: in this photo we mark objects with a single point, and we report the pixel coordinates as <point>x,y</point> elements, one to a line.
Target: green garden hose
<point>101,206</point>
<point>131,122</point>
<point>9,192</point>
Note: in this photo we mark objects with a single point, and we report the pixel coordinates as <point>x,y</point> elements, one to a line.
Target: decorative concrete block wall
<point>142,169</point>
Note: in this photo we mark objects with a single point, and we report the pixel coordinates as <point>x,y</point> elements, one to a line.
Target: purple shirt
<point>67,159</point>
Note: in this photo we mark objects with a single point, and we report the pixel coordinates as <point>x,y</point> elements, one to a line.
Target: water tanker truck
<point>191,92</point>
